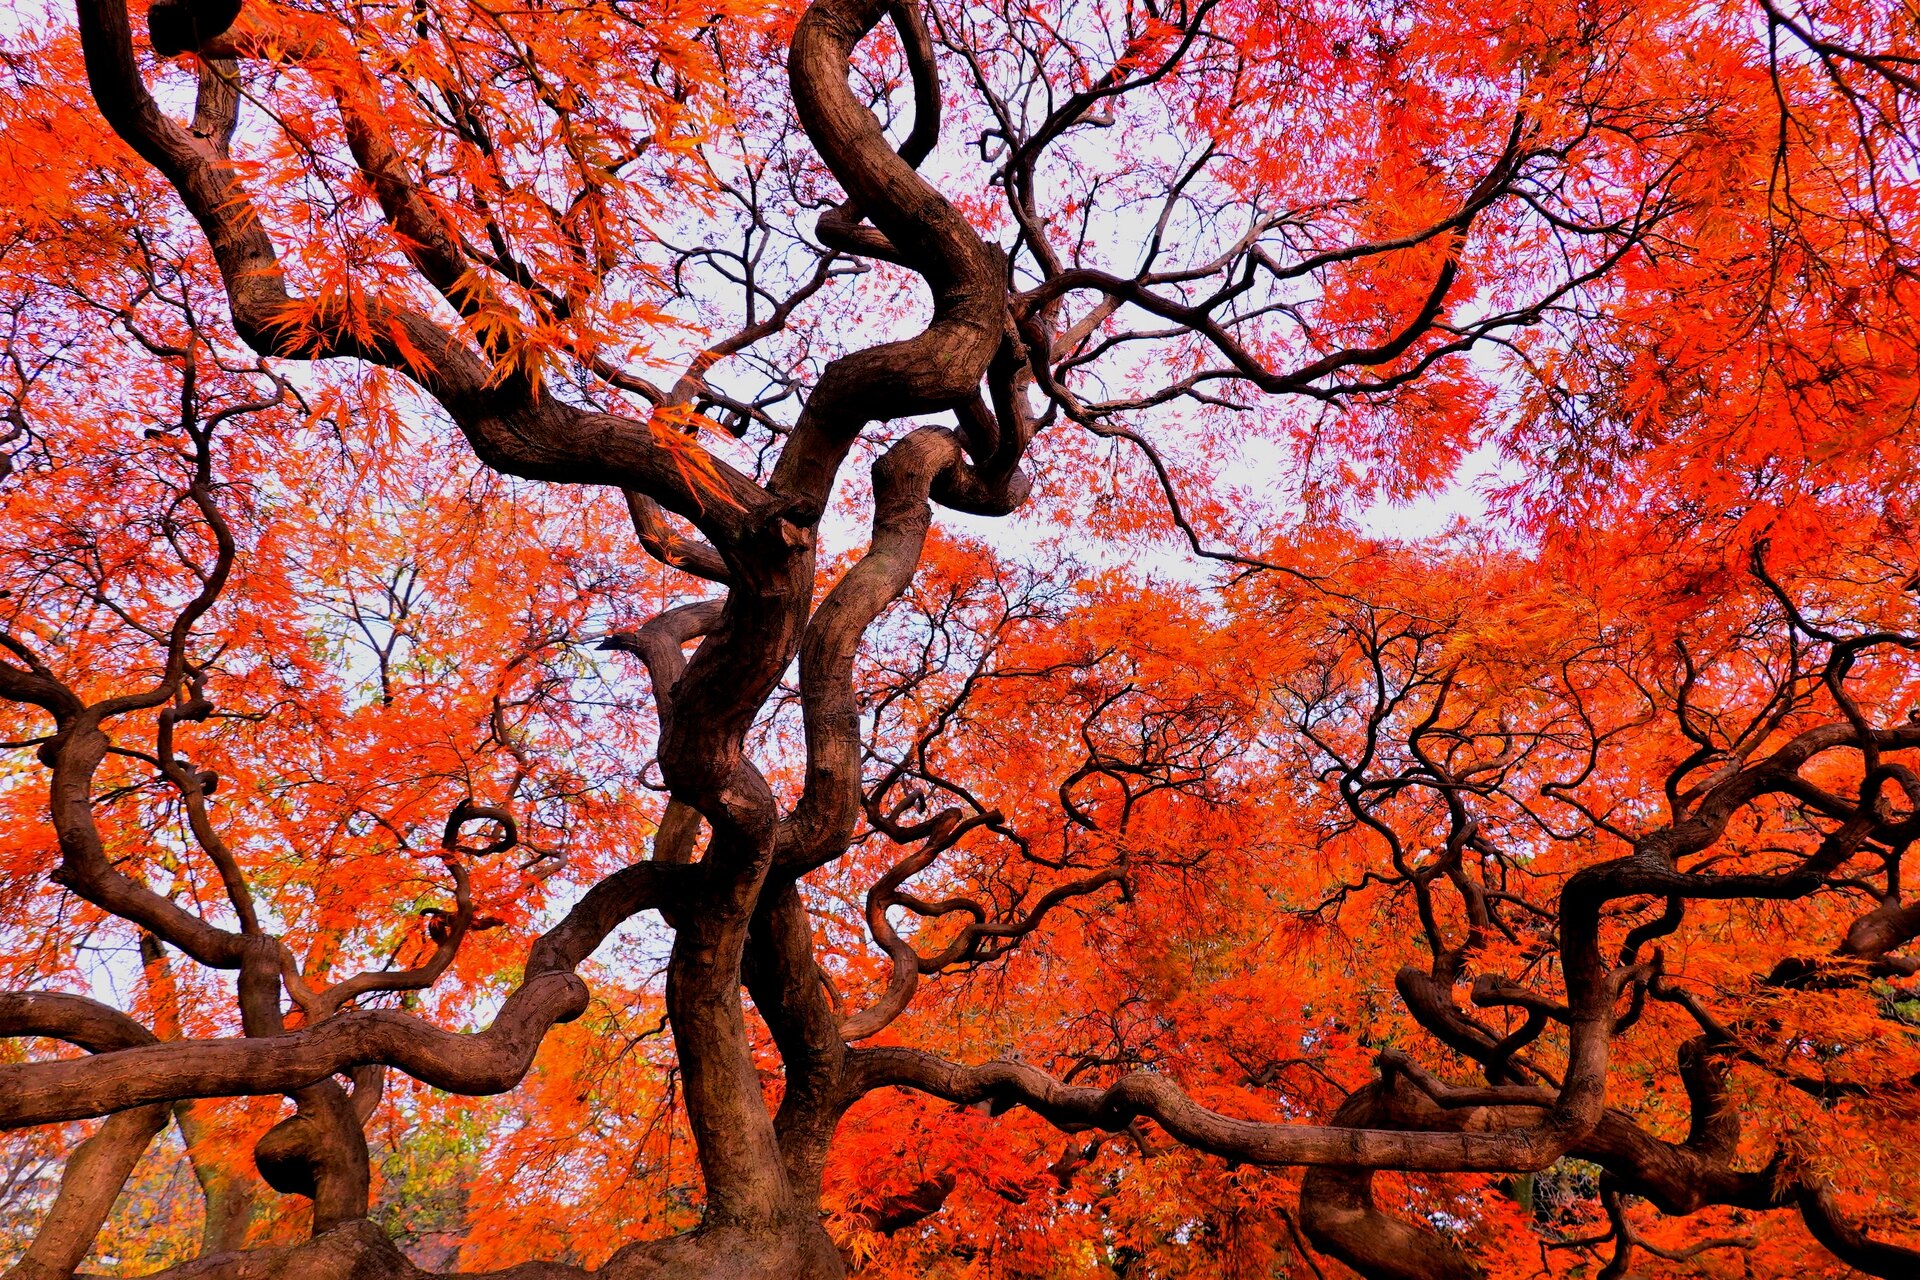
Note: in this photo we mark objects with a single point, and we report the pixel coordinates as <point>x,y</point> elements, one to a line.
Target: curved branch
<point>1009,1084</point>
<point>136,1072</point>
<point>942,366</point>
<point>513,426</point>
<point>925,463</point>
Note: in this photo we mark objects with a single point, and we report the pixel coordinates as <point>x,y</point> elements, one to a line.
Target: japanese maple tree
<point>740,640</point>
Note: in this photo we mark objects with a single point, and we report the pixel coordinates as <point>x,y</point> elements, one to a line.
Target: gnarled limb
<point>512,426</point>
<point>489,1061</point>
<point>1141,1095</point>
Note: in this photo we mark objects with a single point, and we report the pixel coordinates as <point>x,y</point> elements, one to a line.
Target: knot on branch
<point>207,780</point>
<point>467,811</point>
<point>443,925</point>
<point>184,26</point>
<point>285,1157</point>
<point>48,752</point>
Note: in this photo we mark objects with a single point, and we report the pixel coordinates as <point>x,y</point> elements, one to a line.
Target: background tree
<point>392,388</point>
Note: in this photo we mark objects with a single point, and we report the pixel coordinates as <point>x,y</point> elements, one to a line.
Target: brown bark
<point>738,915</point>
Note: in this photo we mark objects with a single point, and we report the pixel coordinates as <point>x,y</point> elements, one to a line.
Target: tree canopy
<point>1108,638</point>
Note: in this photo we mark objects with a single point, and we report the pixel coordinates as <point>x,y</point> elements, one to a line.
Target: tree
<point>333,326</point>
